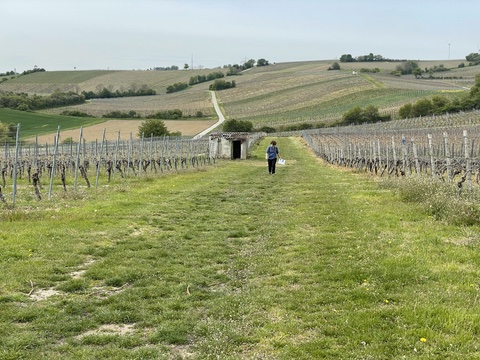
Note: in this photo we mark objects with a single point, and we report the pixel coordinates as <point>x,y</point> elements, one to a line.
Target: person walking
<point>271,155</point>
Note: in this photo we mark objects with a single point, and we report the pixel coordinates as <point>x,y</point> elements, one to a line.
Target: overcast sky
<point>142,34</point>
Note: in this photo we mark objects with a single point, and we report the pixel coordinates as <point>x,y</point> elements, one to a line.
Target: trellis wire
<point>161,154</point>
<point>430,151</point>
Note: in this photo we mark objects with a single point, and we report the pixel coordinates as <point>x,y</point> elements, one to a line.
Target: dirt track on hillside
<point>95,132</point>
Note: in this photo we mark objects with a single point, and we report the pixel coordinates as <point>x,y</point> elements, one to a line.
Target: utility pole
<point>448,51</point>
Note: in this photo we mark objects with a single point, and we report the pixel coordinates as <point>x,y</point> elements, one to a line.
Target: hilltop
<point>282,93</point>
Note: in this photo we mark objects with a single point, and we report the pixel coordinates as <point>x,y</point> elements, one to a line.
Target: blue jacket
<point>272,152</point>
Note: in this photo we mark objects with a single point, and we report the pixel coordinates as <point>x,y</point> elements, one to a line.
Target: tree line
<point>107,94</point>
<point>438,104</point>
<point>232,70</point>
<point>26,102</point>
<point>198,79</point>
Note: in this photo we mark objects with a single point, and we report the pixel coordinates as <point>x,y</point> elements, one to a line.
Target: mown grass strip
<point>231,262</point>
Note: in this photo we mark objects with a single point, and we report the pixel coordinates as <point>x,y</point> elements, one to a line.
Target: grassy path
<point>232,263</point>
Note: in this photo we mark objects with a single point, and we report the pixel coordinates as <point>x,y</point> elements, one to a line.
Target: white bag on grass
<point>281,161</point>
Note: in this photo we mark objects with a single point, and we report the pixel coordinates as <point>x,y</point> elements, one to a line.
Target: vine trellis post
<point>415,156</point>
<point>430,151</point>
<point>54,162</point>
<point>99,158</point>
<point>115,157</point>
<point>77,161</point>
<point>15,165</point>
<point>468,164</point>
<point>448,160</point>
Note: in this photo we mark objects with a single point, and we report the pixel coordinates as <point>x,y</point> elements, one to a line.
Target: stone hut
<point>232,145</point>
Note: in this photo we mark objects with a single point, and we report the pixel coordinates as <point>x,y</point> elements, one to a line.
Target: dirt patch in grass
<point>110,329</point>
<point>79,273</point>
<point>43,294</point>
<point>95,132</point>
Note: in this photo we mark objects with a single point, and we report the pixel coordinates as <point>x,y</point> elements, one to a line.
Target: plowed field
<point>95,132</point>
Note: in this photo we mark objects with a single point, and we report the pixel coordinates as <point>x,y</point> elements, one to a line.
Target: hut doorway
<point>236,149</point>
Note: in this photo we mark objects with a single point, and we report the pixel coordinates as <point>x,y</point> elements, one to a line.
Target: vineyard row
<point>31,167</point>
<point>450,153</point>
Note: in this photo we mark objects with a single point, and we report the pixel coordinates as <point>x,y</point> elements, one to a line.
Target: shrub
<point>153,127</point>
<point>237,126</point>
<point>177,87</point>
<point>167,115</point>
<point>75,113</point>
<point>121,114</point>
<point>267,129</point>
<point>334,66</point>
<point>222,84</point>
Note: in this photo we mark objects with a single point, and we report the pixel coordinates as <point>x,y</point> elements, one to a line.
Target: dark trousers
<point>271,165</point>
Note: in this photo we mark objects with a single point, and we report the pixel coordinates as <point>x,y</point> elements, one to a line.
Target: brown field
<point>112,127</point>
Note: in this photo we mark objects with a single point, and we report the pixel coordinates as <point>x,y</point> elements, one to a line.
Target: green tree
<point>439,102</point>
<point>335,66</point>
<point>405,111</point>
<point>262,62</point>
<point>249,64</point>
<point>407,67</point>
<point>152,127</point>
<point>422,107</point>
<point>352,116</point>
<point>417,72</point>
<point>346,58</point>
<point>371,114</point>
<point>237,126</point>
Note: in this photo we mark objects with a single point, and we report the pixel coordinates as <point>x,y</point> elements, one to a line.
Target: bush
<point>267,129</point>
<point>75,113</point>
<point>405,111</point>
<point>335,66</point>
<point>237,126</point>
<point>153,127</point>
<point>167,115</point>
<point>121,115</point>
<point>357,115</point>
<point>177,87</point>
<point>222,85</point>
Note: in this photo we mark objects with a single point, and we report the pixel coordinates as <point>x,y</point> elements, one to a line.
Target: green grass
<point>227,262</point>
<point>32,124</point>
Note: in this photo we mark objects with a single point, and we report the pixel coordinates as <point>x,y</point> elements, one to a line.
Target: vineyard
<point>66,168</point>
<point>307,92</point>
<point>443,147</point>
<point>284,93</point>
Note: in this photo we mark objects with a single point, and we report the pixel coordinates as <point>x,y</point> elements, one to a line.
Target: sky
<point>143,34</point>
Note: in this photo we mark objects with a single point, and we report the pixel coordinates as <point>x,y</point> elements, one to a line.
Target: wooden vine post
<point>468,164</point>
<point>394,156</point>
<point>77,161</point>
<point>99,158</point>
<point>448,160</point>
<point>115,157</point>
<point>54,164</point>
<point>430,151</point>
<point>406,168</point>
<point>15,166</point>
<point>415,157</point>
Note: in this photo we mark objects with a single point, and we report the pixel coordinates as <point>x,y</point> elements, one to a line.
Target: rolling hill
<point>283,93</point>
